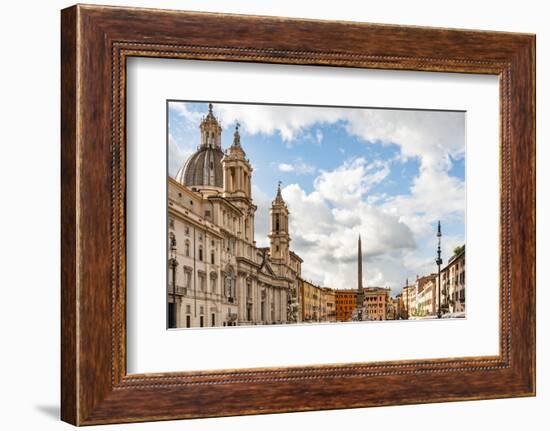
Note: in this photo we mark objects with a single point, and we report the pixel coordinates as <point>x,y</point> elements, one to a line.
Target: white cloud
<point>434,195</point>
<point>432,136</point>
<point>398,230</point>
<point>287,121</point>
<point>177,154</point>
<point>319,136</point>
<point>285,167</point>
<point>193,118</point>
<point>329,245</point>
<point>299,167</point>
<point>261,219</point>
<point>348,183</point>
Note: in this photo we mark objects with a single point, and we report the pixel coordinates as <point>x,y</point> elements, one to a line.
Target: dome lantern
<point>211,131</point>
<point>204,169</point>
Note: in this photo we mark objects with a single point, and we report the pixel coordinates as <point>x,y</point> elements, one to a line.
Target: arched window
<point>229,284</point>
<point>213,286</point>
<point>232,176</point>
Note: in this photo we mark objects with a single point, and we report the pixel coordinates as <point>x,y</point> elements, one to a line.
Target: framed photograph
<point>281,207</point>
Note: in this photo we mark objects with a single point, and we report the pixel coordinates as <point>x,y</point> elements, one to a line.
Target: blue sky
<point>388,175</point>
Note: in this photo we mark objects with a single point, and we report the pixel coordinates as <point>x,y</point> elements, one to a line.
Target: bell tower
<point>237,172</point>
<point>279,237</point>
<point>237,184</point>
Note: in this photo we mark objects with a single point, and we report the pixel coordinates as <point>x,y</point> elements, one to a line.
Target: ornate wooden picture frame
<point>96,42</point>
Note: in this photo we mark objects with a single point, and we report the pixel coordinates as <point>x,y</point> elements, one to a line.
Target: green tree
<point>459,249</point>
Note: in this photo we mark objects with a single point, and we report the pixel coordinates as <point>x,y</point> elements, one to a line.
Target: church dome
<point>204,167</point>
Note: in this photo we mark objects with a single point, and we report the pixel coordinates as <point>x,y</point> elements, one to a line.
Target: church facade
<point>217,276</point>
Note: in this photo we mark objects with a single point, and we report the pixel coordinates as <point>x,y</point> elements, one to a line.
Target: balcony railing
<point>180,290</point>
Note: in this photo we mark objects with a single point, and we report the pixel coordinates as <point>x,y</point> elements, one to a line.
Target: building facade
<point>400,310</point>
<point>217,276</point>
<point>346,303</point>
<point>426,295</point>
<point>422,298</point>
<point>318,304</point>
<point>409,300</point>
<point>376,301</point>
<point>453,283</point>
<point>310,302</point>
<point>329,304</point>
<point>392,309</point>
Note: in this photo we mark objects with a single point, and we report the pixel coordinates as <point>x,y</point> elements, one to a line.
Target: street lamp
<point>173,265</point>
<point>438,261</point>
<point>407,300</point>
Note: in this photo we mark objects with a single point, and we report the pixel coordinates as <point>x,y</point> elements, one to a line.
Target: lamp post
<point>438,261</point>
<point>407,300</point>
<point>359,300</point>
<point>173,265</point>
